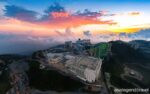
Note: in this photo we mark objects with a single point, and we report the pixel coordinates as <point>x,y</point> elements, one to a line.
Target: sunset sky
<point>46,22</point>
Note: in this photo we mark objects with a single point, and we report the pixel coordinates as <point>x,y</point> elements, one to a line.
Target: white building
<point>85,68</point>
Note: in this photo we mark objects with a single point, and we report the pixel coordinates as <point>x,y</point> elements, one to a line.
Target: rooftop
<point>84,62</point>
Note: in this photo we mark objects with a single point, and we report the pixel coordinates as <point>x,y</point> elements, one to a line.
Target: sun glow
<point>129,23</point>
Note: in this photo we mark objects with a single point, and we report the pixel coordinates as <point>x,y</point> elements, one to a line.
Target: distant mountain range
<point>142,46</point>
<point>143,34</point>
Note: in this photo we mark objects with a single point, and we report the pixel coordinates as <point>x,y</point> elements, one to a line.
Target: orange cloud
<point>134,13</point>
<point>64,20</point>
<point>60,14</point>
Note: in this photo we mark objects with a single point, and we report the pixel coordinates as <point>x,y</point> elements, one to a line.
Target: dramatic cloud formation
<point>57,22</point>
<point>56,19</point>
<point>56,16</point>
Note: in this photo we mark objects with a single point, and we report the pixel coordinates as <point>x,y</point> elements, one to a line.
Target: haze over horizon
<point>27,26</point>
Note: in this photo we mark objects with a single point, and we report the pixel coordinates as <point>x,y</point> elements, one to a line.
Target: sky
<point>29,25</point>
